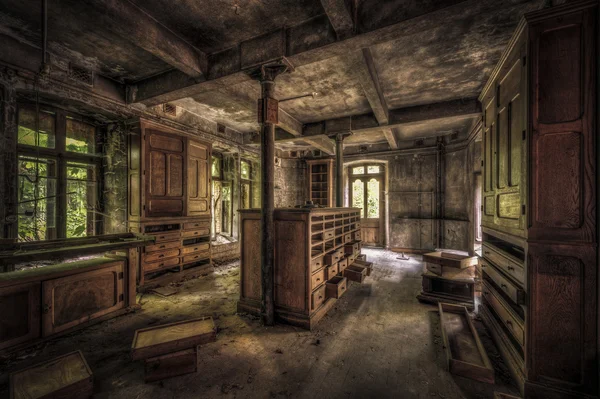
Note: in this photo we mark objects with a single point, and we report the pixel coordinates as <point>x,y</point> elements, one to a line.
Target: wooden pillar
<point>268,117</point>
<point>339,169</point>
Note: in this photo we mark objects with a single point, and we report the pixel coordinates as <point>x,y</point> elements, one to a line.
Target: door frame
<point>384,223</point>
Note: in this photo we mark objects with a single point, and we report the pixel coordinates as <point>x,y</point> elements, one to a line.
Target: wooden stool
<point>170,350</point>
<point>67,376</point>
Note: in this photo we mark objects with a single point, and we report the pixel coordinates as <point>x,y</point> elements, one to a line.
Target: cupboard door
<point>72,300</point>
<point>165,174</point>
<point>198,179</point>
<point>19,314</point>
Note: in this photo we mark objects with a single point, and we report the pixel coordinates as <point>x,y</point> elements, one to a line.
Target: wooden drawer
<point>171,365</point>
<point>162,246</point>
<point>196,256</point>
<point>357,225</point>
<point>329,234</point>
<point>351,258</point>
<point>357,236</point>
<point>368,265</point>
<point>331,271</point>
<point>332,257</point>
<point>317,279</point>
<point>156,256</point>
<point>352,248</point>
<point>318,297</point>
<point>509,288</point>
<point>512,322</point>
<point>347,238</point>
<point>196,225</point>
<point>195,233</point>
<point>507,265</point>
<point>336,287</point>
<point>342,264</point>
<point>195,248</point>
<point>316,264</point>
<point>433,268</point>
<point>355,273</point>
<point>159,237</point>
<point>148,267</point>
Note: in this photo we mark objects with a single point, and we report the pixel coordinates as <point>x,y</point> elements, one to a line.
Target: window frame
<point>247,181</point>
<point>223,181</point>
<point>364,178</point>
<point>62,157</point>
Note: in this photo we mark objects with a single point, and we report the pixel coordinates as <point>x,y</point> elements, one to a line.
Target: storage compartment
<point>171,365</point>
<point>317,279</point>
<point>331,271</point>
<point>336,287</point>
<point>195,248</point>
<point>72,300</point>
<point>162,246</point>
<point>464,352</point>
<point>355,273</point>
<point>516,294</point>
<point>316,264</point>
<point>196,225</point>
<point>156,256</point>
<point>318,297</point>
<point>196,233</point>
<point>196,256</point>
<point>332,257</point>
<point>19,314</point>
<point>171,262</point>
<point>509,319</point>
<point>367,265</point>
<point>342,264</point>
<point>511,267</point>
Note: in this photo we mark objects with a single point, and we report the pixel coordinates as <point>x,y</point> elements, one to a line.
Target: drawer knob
<point>504,286</point>
<point>486,252</point>
<point>509,323</point>
<point>161,256</point>
<point>162,246</point>
<point>511,268</point>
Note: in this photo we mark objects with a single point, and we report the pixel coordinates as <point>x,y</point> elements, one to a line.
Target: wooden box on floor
<point>171,365</point>
<point>453,286</point>
<point>464,352</point>
<point>539,219</point>
<point>67,376</point>
<point>307,242</point>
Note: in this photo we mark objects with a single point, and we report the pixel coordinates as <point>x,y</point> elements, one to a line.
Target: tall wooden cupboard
<point>540,269</point>
<point>169,198</point>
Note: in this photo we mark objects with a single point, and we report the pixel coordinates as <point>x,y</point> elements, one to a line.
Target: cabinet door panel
<point>165,171</point>
<point>198,179</point>
<point>72,300</point>
<point>19,314</point>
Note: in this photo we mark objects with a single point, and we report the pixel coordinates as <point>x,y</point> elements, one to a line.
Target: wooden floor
<point>377,342</point>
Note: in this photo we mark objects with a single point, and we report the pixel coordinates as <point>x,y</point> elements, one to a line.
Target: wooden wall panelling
<point>72,300</point>
<point>19,314</point>
<point>291,276</point>
<point>134,174</point>
<point>250,287</point>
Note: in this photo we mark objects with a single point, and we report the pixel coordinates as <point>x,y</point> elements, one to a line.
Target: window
<point>246,184</point>
<point>365,189</point>
<point>222,195</point>
<point>58,170</point>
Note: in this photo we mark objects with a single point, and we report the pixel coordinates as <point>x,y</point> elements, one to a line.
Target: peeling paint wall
<point>290,183</point>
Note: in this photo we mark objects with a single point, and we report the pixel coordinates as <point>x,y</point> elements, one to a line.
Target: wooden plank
<point>67,376</point>
<point>340,17</point>
<point>464,351</point>
<point>171,365</point>
<point>168,338</point>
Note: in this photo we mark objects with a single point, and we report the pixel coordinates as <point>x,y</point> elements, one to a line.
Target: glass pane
<point>217,206</point>
<point>45,136</point>
<point>37,199</point>
<point>246,196</point>
<point>358,194</point>
<point>373,198</point>
<point>81,200</point>
<point>216,167</point>
<point>226,208</point>
<point>373,169</point>
<point>245,170</point>
<point>81,137</point>
<point>358,170</point>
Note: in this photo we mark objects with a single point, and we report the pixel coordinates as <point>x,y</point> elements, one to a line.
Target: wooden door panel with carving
<point>198,179</point>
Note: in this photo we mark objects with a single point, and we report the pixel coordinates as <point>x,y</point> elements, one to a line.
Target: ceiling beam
<point>288,123</point>
<point>364,67</point>
<point>391,137</point>
<point>340,17</point>
<point>313,41</point>
<point>137,26</point>
<point>323,143</point>
<point>401,116</point>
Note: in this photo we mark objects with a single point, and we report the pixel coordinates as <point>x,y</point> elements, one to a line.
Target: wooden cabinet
<point>540,267</point>
<point>19,314</point>
<point>71,300</point>
<point>170,195</point>
<point>320,182</point>
<point>318,237</point>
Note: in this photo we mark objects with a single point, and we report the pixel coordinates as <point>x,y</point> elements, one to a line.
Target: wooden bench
<point>170,350</point>
<point>67,376</point>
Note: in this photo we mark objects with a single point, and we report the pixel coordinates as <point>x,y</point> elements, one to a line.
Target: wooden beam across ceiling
<point>340,17</point>
<point>313,41</point>
<point>137,26</point>
<point>364,68</point>
<point>391,137</point>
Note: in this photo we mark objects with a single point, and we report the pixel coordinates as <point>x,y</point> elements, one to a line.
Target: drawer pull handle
<point>509,323</point>
<point>161,256</point>
<point>343,288</point>
<point>162,246</point>
<point>504,286</point>
<point>320,296</point>
<point>511,268</point>
<point>486,252</point>
<point>318,279</point>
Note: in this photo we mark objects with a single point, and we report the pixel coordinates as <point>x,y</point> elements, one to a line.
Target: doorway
<point>367,192</point>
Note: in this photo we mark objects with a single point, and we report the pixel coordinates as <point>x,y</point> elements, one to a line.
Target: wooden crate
<point>336,287</point>
<point>67,376</point>
<point>450,259</point>
<point>464,352</point>
<point>171,365</point>
<point>174,337</point>
<point>368,265</point>
<point>355,273</point>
